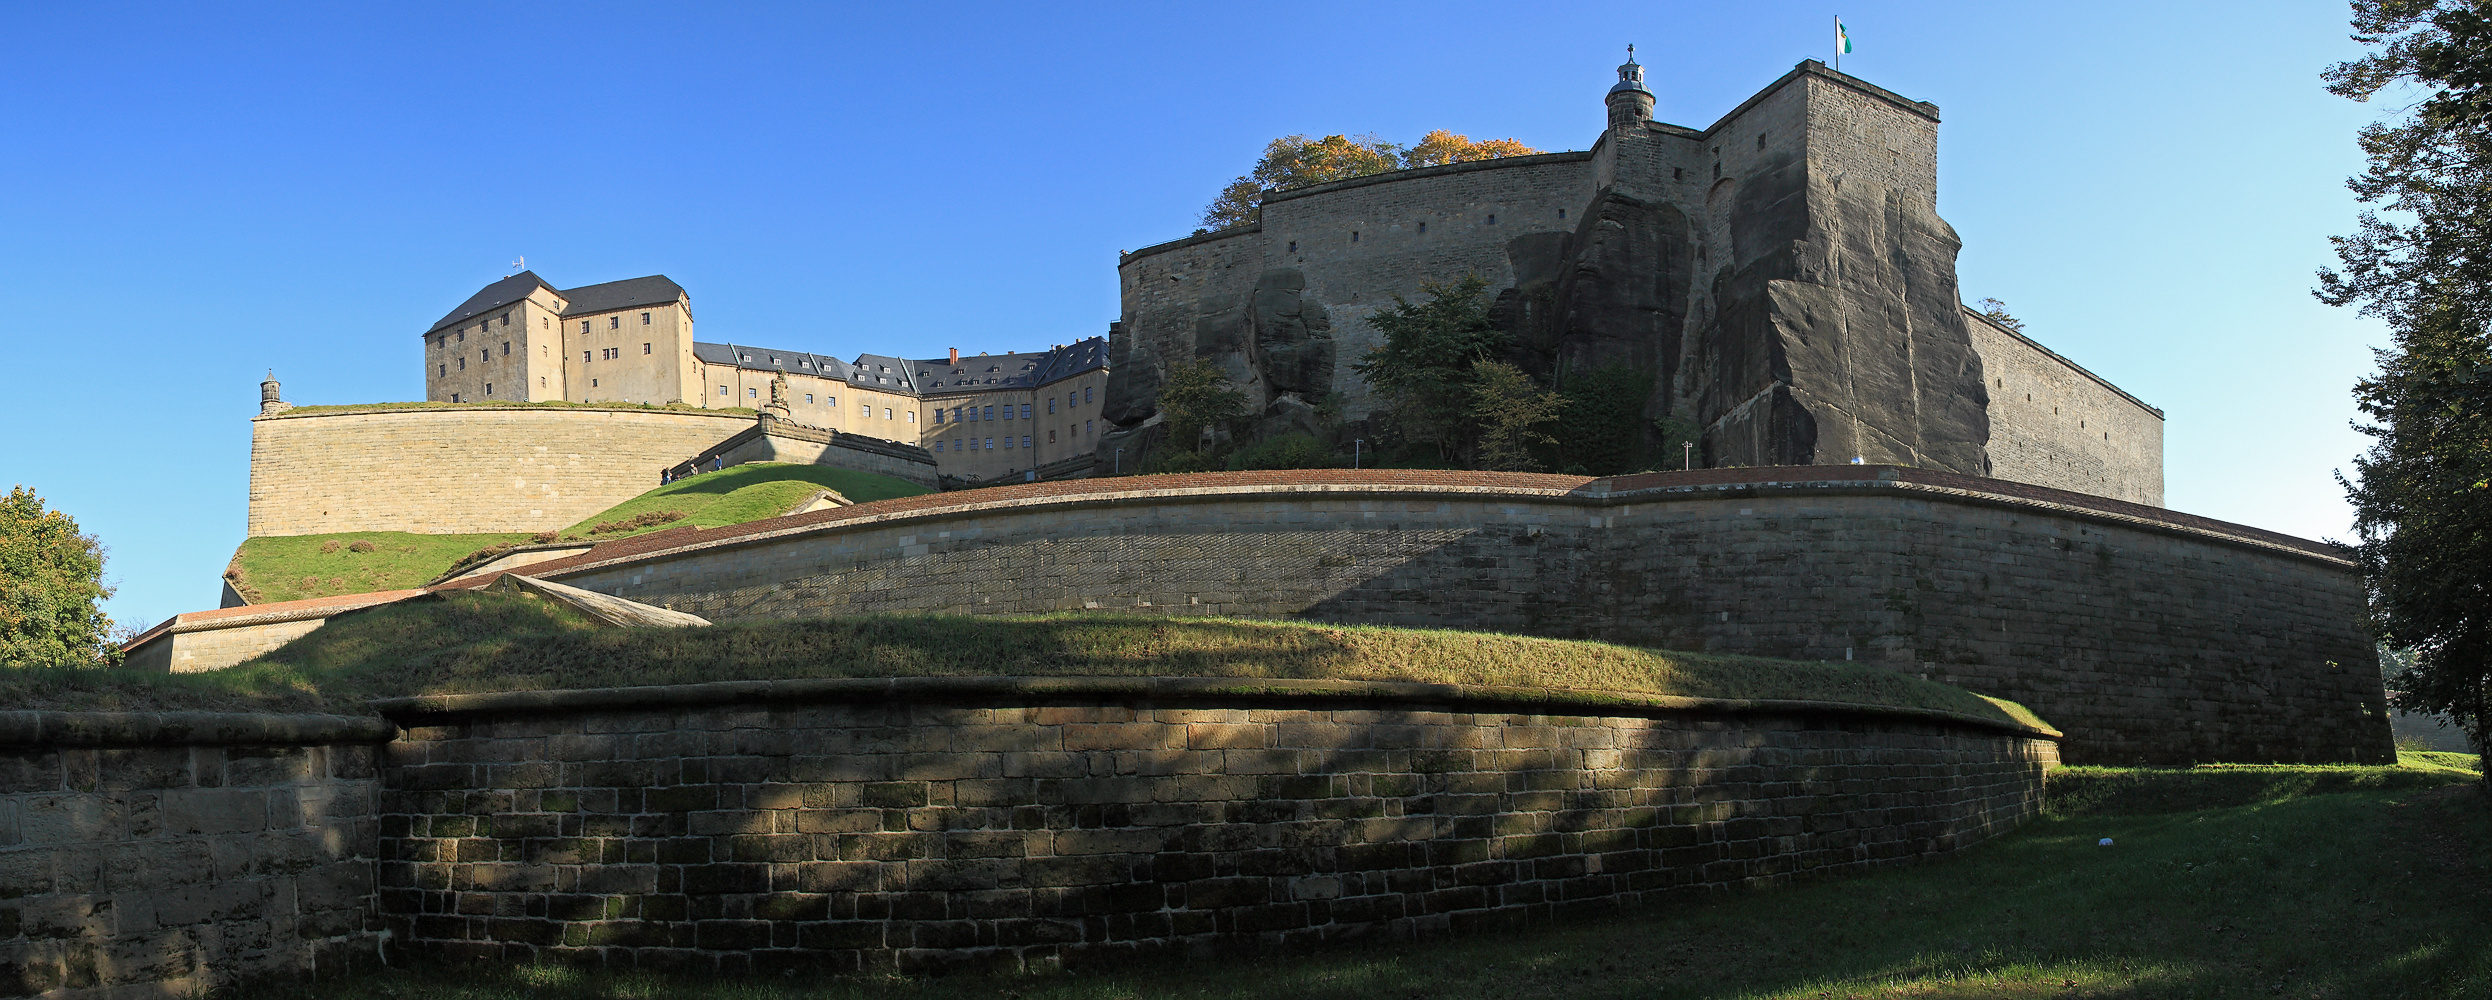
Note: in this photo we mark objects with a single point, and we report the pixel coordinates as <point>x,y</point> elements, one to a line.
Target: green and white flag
<point>1842,40</point>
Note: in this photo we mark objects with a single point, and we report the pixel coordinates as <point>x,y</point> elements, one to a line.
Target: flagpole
<point>1838,43</point>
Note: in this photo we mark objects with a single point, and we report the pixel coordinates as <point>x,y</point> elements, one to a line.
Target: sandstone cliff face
<point>1840,336</point>
<point>1273,341</point>
<point>1612,293</point>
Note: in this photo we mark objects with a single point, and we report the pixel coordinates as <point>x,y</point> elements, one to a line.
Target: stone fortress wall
<point>851,825</point>
<point>457,469</point>
<point>158,855</point>
<point>2148,636</point>
<point>1782,273</point>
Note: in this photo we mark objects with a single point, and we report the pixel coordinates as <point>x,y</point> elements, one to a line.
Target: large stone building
<point>1781,277</point>
<point>521,339</point>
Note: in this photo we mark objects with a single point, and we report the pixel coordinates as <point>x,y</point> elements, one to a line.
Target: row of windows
<point>461,334</point>
<point>963,414</point>
<point>613,322</point>
<point>973,443</point>
<point>610,353</point>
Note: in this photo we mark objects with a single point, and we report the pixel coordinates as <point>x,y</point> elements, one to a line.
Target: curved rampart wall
<point>167,855</point>
<point>2148,636</point>
<point>458,469</point>
<point>836,827</point>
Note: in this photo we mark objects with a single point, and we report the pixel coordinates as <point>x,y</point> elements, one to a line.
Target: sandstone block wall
<point>171,864</point>
<point>450,470</point>
<point>2055,424</point>
<point>2148,637</point>
<point>216,649</point>
<point>894,835</point>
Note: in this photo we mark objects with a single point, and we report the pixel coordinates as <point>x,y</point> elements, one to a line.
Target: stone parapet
<point>1000,823</point>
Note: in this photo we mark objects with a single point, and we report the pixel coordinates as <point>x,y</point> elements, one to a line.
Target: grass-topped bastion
<point>470,642</point>
<point>293,567</point>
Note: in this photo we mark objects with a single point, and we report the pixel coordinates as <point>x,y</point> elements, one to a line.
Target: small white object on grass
<point>2105,842</point>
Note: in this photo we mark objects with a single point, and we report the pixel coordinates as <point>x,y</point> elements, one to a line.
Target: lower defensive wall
<point>2146,635</point>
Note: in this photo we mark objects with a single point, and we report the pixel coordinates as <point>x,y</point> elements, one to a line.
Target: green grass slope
<point>2374,890</point>
<point>465,642</point>
<point>267,570</point>
<point>743,493</point>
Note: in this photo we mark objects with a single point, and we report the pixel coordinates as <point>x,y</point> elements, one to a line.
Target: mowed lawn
<point>2225,882</point>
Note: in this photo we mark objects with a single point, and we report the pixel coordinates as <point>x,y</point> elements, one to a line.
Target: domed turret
<point>270,405</point>
<point>1629,103</point>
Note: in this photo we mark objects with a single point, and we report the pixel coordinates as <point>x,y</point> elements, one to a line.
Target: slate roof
<point>656,289</point>
<point>771,359</point>
<point>492,297</point>
<point>941,376</point>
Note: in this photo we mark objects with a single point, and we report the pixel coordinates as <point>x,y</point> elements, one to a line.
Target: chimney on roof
<point>956,355</point>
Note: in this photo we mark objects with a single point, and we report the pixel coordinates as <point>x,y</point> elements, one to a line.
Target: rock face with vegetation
<point>1775,290</point>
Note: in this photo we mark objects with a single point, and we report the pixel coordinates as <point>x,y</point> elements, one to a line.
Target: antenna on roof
<point>519,265</point>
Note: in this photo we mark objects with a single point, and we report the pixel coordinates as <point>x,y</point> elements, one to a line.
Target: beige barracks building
<point>521,339</point>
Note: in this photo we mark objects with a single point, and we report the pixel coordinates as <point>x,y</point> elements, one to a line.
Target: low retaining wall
<point>2152,637</point>
<point>911,825</point>
<point>154,855</point>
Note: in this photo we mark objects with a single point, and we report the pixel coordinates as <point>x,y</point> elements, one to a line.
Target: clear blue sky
<point>193,194</point>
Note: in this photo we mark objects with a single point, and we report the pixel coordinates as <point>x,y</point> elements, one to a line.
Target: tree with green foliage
<point>1294,161</point>
<point>2422,492</point>
<point>1509,410</point>
<point>1600,431</point>
<point>1422,368</point>
<point>1197,395</point>
<point>51,577</point>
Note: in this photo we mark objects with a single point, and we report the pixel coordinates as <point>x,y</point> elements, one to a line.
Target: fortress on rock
<point>1782,277</point>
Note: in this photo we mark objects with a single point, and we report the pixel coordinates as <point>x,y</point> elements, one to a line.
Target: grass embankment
<point>292,567</point>
<point>743,493</point>
<point>462,642</point>
<point>2296,882</point>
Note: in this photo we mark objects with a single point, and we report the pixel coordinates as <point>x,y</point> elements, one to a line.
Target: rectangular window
<point>583,326</point>
<point>830,401</point>
<point>938,415</point>
<point>540,381</point>
<point>751,392</point>
<point>912,416</point>
<point>488,388</point>
<point>1051,404</point>
<point>506,348</point>
<point>592,383</point>
<point>865,410</point>
<point>584,357</point>
<point>1085,394</point>
<point>990,444</point>
<point>886,413</point>
<point>1051,435</point>
<point>462,362</point>
<point>614,322</point>
<point>722,390</point>
<point>990,413</point>
<point>938,446</point>
<point>1085,428</point>
<point>445,369</point>
<point>1026,409</point>
<point>506,319</point>
<point>808,399</point>
<point>644,319</point>
<point>644,348</point>
<point>462,336</point>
